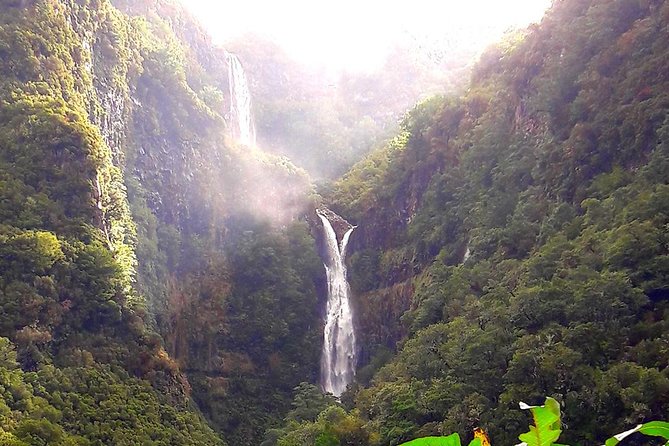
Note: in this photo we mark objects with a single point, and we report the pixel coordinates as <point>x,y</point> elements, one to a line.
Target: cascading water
<point>241,119</point>
<point>338,357</point>
<point>468,254</point>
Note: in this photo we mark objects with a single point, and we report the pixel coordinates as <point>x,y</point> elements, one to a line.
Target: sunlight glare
<point>357,34</point>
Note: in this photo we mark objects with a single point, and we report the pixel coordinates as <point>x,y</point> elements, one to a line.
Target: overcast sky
<point>355,34</point>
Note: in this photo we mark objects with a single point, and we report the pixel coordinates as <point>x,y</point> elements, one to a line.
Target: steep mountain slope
<point>128,215</point>
<point>515,239</point>
<point>68,262</point>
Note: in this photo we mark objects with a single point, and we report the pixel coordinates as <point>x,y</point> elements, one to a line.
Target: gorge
<point>166,280</point>
<point>338,357</point>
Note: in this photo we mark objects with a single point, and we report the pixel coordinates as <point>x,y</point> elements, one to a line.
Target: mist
<point>358,36</point>
<point>330,83</point>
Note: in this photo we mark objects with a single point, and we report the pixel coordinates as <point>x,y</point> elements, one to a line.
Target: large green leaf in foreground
<point>652,429</point>
<point>546,429</point>
<point>451,440</point>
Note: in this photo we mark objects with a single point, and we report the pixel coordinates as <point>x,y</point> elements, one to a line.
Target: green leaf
<point>652,428</point>
<point>613,441</point>
<point>543,436</point>
<point>552,405</point>
<point>451,440</point>
<point>656,429</point>
<point>546,424</point>
<point>475,442</point>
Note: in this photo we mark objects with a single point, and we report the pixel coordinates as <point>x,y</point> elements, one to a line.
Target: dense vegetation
<point>142,270</point>
<point>158,284</point>
<point>514,239</point>
<point>77,346</point>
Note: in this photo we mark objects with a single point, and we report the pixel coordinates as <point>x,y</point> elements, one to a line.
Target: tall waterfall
<point>241,119</point>
<point>338,357</point>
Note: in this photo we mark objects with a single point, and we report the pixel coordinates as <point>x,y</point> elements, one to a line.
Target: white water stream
<point>338,357</point>
<point>241,118</point>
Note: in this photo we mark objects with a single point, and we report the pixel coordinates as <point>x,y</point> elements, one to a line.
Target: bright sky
<point>355,34</point>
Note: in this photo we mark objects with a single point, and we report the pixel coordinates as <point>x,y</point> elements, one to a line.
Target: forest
<point>163,284</point>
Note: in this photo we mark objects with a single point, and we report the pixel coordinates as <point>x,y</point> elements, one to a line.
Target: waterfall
<point>241,119</point>
<point>338,357</point>
<point>468,254</point>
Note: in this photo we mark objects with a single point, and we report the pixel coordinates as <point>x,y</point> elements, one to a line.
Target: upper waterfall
<point>338,358</point>
<point>241,118</point>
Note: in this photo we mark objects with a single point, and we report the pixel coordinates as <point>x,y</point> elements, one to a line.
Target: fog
<point>351,35</point>
<point>330,82</point>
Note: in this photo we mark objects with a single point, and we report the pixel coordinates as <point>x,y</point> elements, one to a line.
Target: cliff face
<point>119,179</point>
<point>203,209</point>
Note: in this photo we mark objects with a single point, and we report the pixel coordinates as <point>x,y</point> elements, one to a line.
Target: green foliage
<point>653,429</point>
<point>550,171</point>
<point>308,402</point>
<point>268,341</point>
<point>108,406</point>
<point>451,440</point>
<point>333,427</point>
<point>88,405</point>
<point>67,296</point>
<point>546,429</point>
<point>117,184</point>
<point>519,233</point>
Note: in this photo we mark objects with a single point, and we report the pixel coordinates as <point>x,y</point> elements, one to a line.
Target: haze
<point>355,35</point>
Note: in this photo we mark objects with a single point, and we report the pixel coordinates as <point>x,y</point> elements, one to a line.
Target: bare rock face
<point>339,224</point>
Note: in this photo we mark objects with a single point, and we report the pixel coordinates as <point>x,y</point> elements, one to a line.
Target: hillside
<point>514,240</point>
<point>148,263</point>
